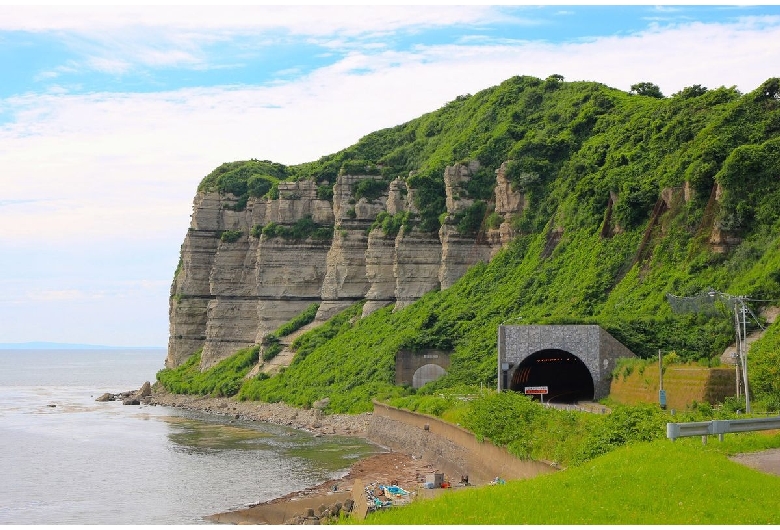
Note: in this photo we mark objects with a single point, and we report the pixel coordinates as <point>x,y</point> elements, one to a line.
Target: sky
<point>110,116</point>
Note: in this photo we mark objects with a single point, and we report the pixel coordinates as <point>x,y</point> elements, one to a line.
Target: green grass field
<point>660,482</point>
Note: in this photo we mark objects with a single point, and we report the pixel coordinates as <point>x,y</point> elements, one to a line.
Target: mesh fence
<point>707,302</point>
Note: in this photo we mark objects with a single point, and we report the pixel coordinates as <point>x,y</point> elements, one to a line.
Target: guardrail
<point>720,427</point>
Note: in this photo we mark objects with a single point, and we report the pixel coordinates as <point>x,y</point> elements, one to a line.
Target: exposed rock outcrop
<point>238,281</point>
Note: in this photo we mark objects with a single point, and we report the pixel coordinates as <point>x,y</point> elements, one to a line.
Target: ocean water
<point>67,459</point>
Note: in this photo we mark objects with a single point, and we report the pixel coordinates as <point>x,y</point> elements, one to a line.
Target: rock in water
<point>146,390</point>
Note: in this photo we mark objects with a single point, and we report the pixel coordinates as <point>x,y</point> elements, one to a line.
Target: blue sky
<point>110,116</point>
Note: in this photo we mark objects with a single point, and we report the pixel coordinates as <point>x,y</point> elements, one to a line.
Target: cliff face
<point>237,283</point>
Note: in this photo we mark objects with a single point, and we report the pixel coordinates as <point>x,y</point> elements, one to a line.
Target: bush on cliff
<point>224,379</point>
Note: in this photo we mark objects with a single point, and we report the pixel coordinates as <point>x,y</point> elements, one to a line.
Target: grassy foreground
<point>660,482</point>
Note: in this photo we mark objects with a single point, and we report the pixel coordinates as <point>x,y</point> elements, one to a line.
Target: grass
<point>660,482</point>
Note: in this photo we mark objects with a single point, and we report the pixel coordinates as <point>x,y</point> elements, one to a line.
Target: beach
<point>385,468</point>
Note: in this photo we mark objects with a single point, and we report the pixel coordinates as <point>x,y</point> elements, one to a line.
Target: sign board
<point>536,390</point>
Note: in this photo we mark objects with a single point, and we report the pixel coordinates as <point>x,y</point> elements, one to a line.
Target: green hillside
<point>596,244</point>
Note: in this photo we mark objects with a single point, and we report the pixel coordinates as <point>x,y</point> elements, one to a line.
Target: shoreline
<point>311,420</point>
<point>384,467</point>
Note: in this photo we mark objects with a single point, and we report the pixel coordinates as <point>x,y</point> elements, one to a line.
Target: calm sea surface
<point>67,459</point>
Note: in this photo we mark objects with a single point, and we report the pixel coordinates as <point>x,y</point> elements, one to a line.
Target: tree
<point>691,91</point>
<point>646,88</point>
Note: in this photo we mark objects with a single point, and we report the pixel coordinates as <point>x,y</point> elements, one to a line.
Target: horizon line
<point>44,345</point>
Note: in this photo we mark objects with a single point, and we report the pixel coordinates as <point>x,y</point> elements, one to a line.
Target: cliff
<point>245,272</point>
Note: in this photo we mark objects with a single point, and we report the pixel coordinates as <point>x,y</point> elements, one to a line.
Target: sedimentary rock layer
<point>236,284</point>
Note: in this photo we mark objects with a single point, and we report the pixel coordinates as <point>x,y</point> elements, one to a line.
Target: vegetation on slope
<point>595,245</point>
<point>224,379</point>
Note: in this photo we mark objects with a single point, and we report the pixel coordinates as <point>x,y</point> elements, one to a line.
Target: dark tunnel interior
<point>566,376</point>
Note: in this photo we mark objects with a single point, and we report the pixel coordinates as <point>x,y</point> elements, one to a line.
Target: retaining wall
<point>683,385</point>
<point>452,449</point>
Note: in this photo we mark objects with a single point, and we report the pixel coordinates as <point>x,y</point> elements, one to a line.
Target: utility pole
<point>705,300</point>
<point>744,353</point>
<point>740,325</point>
<point>661,391</point>
<point>738,353</point>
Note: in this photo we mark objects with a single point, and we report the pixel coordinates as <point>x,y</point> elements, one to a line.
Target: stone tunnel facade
<point>597,349</point>
<point>418,368</point>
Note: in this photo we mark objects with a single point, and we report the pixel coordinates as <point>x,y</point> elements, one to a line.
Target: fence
<point>720,427</point>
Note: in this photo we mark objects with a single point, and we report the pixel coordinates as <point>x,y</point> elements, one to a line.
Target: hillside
<point>616,200</point>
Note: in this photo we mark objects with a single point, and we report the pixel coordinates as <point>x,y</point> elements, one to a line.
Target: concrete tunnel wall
<point>596,348</point>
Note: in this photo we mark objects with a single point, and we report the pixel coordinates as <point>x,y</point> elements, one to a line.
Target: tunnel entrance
<point>566,376</point>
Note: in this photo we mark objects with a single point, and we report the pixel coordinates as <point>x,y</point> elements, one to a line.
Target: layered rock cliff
<point>244,273</point>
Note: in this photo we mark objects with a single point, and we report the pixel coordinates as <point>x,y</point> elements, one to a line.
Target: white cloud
<point>105,156</point>
<point>297,20</point>
<point>118,171</point>
<point>115,39</point>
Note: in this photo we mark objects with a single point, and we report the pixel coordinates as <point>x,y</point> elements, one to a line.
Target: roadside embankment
<point>449,448</point>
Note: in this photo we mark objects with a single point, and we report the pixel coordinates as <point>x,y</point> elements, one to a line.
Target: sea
<point>68,459</point>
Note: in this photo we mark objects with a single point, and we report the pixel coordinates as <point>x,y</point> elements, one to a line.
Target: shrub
<point>223,379</point>
<point>302,229</point>
<point>325,192</point>
<point>470,220</point>
<point>494,220</point>
<point>359,167</point>
<point>230,236</point>
<point>369,189</point>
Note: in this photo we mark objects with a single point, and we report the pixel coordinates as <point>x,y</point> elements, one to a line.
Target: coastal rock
<point>146,390</point>
<point>321,404</point>
<point>106,397</point>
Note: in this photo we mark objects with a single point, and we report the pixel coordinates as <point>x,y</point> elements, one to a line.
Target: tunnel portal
<point>575,362</point>
<point>566,377</point>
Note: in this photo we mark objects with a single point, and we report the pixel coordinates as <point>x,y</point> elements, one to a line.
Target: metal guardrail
<point>720,427</point>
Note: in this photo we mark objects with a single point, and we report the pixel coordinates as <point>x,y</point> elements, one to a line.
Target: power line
<point>705,302</point>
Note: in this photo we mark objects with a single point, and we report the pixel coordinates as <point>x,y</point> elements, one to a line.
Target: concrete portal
<point>418,368</point>
<point>575,363</point>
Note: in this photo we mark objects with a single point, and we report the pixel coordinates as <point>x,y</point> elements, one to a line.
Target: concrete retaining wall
<point>451,449</point>
<point>683,385</point>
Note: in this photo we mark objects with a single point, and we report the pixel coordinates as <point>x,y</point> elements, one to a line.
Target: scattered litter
<point>380,496</point>
<point>496,481</point>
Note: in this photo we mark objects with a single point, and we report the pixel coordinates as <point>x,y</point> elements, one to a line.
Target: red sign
<point>536,390</point>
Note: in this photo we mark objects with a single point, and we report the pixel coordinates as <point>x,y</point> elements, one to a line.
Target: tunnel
<point>566,377</point>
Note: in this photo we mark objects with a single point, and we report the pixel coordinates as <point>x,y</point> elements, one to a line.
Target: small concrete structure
<point>570,362</point>
<point>418,368</point>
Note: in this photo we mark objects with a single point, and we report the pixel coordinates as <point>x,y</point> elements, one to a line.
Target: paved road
<point>767,461</point>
